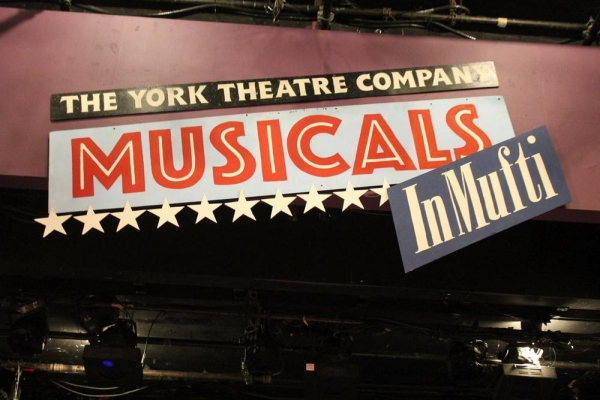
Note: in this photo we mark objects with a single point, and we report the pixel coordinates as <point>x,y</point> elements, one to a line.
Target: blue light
<point>108,363</point>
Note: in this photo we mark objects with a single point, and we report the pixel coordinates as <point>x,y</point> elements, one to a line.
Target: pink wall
<point>42,53</point>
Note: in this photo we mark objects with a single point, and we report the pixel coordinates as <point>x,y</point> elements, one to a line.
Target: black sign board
<point>242,93</point>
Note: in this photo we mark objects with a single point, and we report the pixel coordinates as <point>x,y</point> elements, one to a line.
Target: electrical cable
<point>370,24</point>
<point>183,11</point>
<point>97,396</point>
<point>89,387</point>
<point>14,217</point>
<point>148,336</point>
<point>442,8</point>
<point>363,23</point>
<point>100,10</point>
<point>281,16</point>
<point>195,9</point>
<point>373,24</point>
<point>452,30</point>
<point>419,329</point>
<point>349,4</point>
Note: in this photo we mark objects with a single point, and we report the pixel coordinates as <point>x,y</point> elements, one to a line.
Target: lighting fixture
<point>114,360</point>
<point>522,375</point>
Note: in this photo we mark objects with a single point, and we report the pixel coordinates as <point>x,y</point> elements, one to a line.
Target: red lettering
<point>125,161</point>
<point>460,120</point>
<point>378,147</point>
<point>161,156</point>
<point>301,154</point>
<point>424,135</point>
<point>271,151</point>
<point>240,164</point>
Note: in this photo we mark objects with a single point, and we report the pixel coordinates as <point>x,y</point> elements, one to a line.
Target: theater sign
<point>475,197</point>
<point>259,92</point>
<point>267,153</point>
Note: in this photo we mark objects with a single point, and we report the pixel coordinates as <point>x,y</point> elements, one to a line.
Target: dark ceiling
<point>558,21</point>
<point>323,288</point>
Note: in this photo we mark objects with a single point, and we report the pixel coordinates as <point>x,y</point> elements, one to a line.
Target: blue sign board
<point>475,197</point>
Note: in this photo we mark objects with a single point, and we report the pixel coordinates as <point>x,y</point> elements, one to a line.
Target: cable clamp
<point>321,18</point>
<point>276,9</point>
<point>588,30</point>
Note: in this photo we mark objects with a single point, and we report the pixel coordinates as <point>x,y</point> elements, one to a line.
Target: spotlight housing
<point>523,377</point>
<point>114,360</point>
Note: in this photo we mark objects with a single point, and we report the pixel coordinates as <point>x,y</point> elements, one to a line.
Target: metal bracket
<point>590,34</point>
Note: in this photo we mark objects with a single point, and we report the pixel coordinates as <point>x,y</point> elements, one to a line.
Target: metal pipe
<point>398,15</point>
<point>45,367</point>
<point>149,374</point>
<point>281,317</point>
<point>150,340</point>
<point>466,19</point>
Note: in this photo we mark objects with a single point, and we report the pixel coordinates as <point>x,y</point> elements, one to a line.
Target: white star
<point>351,196</point>
<point>53,222</point>
<point>128,217</point>
<point>313,199</point>
<point>382,191</point>
<point>242,207</point>
<point>205,210</point>
<point>166,214</point>
<point>91,220</point>
<point>279,203</point>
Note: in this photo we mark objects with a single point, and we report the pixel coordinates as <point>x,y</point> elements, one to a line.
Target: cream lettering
<point>477,200</point>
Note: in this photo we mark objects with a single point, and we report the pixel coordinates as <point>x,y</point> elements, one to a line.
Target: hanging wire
<point>195,9</point>
<point>276,9</point>
<point>89,387</point>
<point>103,395</point>
<point>452,30</point>
<point>148,336</point>
<point>369,24</point>
<point>443,8</point>
<point>158,14</point>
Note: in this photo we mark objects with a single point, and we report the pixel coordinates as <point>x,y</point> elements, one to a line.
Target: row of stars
<point>242,207</point>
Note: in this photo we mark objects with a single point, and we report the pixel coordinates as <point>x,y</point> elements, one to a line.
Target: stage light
<point>523,355</point>
<point>114,360</point>
<point>522,375</point>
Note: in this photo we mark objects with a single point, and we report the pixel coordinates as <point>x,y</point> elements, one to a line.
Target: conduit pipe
<point>465,19</point>
<point>385,13</point>
<point>149,374</point>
